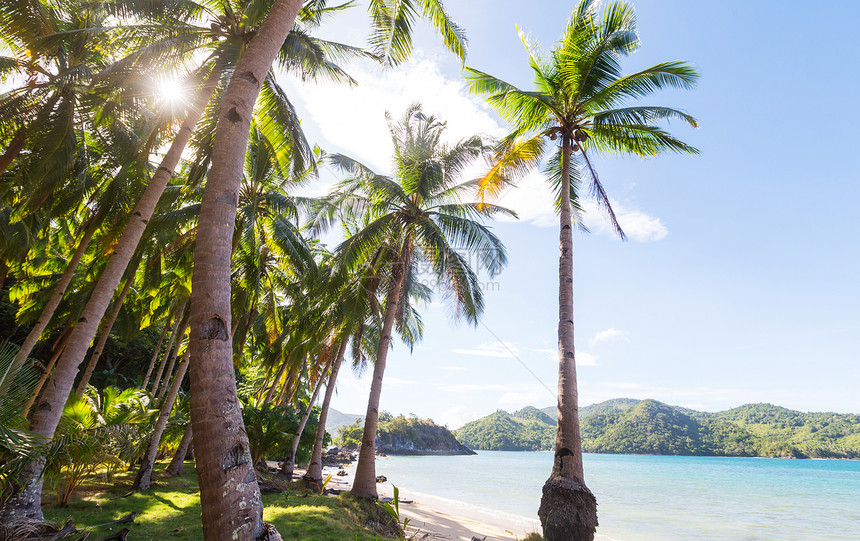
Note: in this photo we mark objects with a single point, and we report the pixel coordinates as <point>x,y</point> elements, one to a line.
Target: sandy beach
<point>433,520</point>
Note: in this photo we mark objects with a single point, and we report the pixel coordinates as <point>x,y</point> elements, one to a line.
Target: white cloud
<point>637,225</point>
<point>353,118</point>
<point>551,354</point>
<point>608,336</point>
<point>585,359</point>
<point>518,400</point>
<point>456,417</point>
<point>454,368</point>
<point>492,349</point>
<point>532,200</point>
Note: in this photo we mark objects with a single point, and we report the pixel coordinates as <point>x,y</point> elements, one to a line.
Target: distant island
<point>629,426</point>
<point>401,435</point>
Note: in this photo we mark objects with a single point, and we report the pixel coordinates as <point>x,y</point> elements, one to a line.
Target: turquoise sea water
<point>645,498</point>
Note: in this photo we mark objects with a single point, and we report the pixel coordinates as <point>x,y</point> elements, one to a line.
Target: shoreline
<point>433,518</point>
<point>437,519</point>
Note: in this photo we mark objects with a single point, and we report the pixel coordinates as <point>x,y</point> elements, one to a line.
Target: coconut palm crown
<point>582,102</point>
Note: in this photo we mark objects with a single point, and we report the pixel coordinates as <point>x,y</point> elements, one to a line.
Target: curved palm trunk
<point>232,508</point>
<point>155,354</point>
<point>290,463</point>
<point>25,503</point>
<point>143,479</point>
<point>173,356</point>
<point>271,392</point>
<point>19,140</point>
<point>55,299</point>
<point>180,317</point>
<point>107,325</point>
<point>14,149</point>
<point>364,485</point>
<point>568,510</point>
<point>314,474</point>
<point>290,388</point>
<point>177,464</point>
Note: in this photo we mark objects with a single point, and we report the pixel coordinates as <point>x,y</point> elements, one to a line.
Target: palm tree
<point>581,100</point>
<point>415,216</point>
<point>222,449</point>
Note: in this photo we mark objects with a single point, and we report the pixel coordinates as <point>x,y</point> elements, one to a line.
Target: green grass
<point>171,511</point>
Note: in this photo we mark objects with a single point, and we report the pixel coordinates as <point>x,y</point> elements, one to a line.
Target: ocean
<point>648,498</point>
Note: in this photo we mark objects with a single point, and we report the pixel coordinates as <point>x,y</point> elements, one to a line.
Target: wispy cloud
<point>474,387</point>
<point>399,381</point>
<point>454,368</point>
<point>608,336</point>
<point>491,349</point>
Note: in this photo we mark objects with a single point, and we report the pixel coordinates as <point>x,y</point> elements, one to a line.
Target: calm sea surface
<point>652,497</point>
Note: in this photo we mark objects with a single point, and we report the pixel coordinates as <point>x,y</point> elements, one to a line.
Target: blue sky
<point>739,283</point>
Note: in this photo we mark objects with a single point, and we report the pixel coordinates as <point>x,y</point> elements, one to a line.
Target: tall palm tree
<point>416,215</point>
<point>223,453</point>
<point>581,99</point>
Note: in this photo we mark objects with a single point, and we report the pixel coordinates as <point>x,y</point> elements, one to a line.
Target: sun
<point>171,91</point>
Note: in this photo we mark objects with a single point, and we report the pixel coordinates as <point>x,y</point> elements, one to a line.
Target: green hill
<point>630,426</point>
<point>616,405</point>
<point>527,430</point>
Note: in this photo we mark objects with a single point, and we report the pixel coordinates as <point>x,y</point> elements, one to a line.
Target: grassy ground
<point>171,511</point>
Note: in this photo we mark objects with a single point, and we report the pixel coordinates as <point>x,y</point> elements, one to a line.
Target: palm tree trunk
<point>568,509</point>
<point>155,353</point>
<point>50,407</point>
<point>314,473</point>
<point>364,485</point>
<point>55,299</point>
<point>107,325</point>
<point>179,318</point>
<point>290,463</point>
<point>177,464</point>
<point>143,479</point>
<point>232,508</point>
<point>166,378</point>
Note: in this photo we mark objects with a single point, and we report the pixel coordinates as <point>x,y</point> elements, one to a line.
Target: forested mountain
<point>337,419</point>
<point>631,426</point>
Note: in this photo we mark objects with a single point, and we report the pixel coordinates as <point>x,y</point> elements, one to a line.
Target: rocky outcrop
<point>401,435</point>
<point>337,458</point>
<point>420,439</point>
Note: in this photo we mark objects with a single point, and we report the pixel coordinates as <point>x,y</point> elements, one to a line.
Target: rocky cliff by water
<point>403,435</point>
